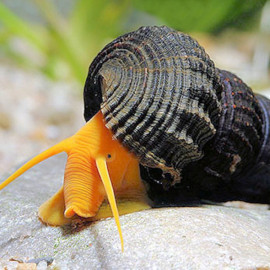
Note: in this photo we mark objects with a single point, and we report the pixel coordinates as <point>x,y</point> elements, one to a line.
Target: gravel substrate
<point>35,113</point>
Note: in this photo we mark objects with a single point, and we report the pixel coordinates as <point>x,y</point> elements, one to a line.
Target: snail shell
<point>158,91</point>
<point>236,163</point>
<point>239,136</point>
<point>164,100</point>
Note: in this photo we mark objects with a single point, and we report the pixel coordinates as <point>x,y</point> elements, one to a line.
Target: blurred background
<point>46,47</point>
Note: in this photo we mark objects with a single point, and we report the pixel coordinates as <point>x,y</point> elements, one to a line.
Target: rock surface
<point>209,237</point>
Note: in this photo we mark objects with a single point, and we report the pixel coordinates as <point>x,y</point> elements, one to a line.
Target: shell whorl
<point>236,145</point>
<point>159,93</point>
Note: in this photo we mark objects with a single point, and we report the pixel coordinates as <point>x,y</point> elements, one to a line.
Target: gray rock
<point>210,237</point>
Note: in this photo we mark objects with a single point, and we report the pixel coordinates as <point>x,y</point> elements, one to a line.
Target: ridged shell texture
<point>159,93</point>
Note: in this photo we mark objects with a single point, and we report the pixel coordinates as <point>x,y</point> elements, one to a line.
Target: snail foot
<point>52,211</point>
<point>124,206</point>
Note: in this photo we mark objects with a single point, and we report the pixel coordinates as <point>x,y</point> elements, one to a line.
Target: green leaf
<point>200,16</point>
<point>21,28</point>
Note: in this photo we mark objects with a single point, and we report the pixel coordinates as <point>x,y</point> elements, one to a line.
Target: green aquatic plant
<point>64,45</point>
<point>68,42</point>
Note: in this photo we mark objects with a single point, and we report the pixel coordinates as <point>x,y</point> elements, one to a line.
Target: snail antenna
<point>104,175</point>
<point>64,145</point>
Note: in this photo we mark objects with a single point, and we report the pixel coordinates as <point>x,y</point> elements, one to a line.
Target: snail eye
<point>110,156</point>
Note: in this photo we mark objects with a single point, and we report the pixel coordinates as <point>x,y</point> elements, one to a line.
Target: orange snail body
<point>98,166</point>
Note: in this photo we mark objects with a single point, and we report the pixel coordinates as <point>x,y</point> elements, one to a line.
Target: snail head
<point>97,167</point>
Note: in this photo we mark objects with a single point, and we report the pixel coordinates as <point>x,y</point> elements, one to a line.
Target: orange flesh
<point>58,148</point>
<point>103,171</point>
<point>96,165</point>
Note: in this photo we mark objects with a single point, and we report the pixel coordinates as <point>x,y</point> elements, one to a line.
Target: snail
<point>158,110</point>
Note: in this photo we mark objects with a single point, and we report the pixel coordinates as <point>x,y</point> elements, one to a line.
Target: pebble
<point>42,265</point>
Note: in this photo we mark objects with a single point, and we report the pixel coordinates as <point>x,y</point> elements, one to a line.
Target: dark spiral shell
<point>184,119</point>
<point>239,134</point>
<point>159,93</point>
<point>236,161</point>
